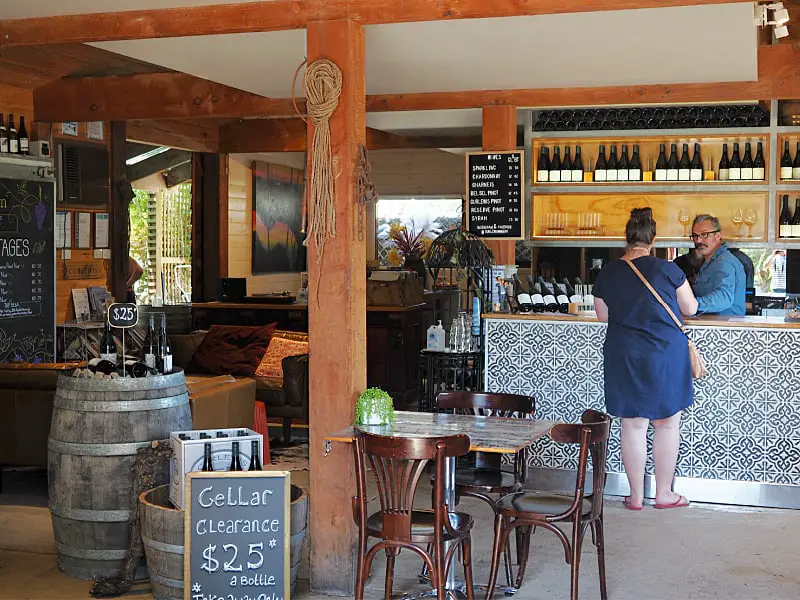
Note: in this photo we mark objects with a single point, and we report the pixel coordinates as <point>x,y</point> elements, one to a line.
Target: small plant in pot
<point>374,407</point>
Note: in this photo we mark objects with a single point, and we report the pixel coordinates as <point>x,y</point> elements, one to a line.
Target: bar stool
<point>532,509</point>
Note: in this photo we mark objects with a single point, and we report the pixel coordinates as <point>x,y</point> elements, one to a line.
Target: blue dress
<point>646,358</point>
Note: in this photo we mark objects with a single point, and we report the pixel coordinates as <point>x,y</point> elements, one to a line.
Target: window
<point>432,216</point>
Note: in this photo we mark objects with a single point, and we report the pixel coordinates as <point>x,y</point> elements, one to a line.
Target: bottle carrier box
<point>187,455</point>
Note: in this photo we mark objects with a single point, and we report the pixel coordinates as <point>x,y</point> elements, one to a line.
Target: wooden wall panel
<point>17,101</point>
<point>417,172</point>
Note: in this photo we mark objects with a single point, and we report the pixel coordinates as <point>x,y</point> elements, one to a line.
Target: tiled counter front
<point>740,442</point>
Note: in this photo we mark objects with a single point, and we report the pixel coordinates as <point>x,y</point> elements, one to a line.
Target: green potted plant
<point>374,407</point>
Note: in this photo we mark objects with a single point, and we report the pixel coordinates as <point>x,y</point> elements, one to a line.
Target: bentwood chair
<point>529,510</point>
<point>398,464</point>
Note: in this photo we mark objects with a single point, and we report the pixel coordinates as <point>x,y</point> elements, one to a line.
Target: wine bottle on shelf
<point>696,168</point>
<point>785,219</point>
<point>577,166</point>
<point>795,226</point>
<point>568,288</point>
<point>22,137</point>
<point>747,163</point>
<point>635,168</point>
<point>3,135</point>
<point>523,295</point>
<point>150,348</point>
<point>600,173</point>
<point>548,296</point>
<point>537,299</point>
<point>543,172</point>
<point>164,360</point>
<point>555,166</point>
<point>759,164</point>
<point>108,347</point>
<point>787,170</point>
<point>735,168</point>
<point>561,296</point>
<point>684,170</point>
<point>661,164</point>
<point>612,172</point>
<point>13,139</point>
<point>672,163</point>
<point>255,453</point>
<point>724,173</point>
<point>623,165</point>
<point>566,166</point>
<point>208,464</point>
<point>236,463</point>
<point>796,163</point>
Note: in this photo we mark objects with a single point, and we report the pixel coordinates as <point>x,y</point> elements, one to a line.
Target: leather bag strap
<point>656,295</point>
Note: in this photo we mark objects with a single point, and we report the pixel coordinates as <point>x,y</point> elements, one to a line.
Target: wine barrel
<point>298,518</point>
<point>162,536</point>
<point>96,429</point>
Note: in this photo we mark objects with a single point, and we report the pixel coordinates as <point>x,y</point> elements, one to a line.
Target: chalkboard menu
<point>237,535</point>
<point>494,194</point>
<point>27,271</point>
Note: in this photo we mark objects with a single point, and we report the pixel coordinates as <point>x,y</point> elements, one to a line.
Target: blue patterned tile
<point>783,420</point>
<point>745,454</point>
<point>747,419</point>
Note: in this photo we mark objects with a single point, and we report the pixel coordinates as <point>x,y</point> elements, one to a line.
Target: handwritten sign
<point>494,194</point>
<point>123,315</point>
<point>236,535</point>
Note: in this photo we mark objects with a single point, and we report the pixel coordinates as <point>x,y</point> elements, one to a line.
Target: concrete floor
<point>699,553</point>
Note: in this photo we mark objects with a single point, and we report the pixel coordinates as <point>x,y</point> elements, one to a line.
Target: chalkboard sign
<point>494,194</point>
<point>236,535</point>
<point>123,315</point>
<point>27,271</point>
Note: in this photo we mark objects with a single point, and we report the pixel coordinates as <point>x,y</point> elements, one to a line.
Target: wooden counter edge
<point>747,322</point>
<point>289,307</point>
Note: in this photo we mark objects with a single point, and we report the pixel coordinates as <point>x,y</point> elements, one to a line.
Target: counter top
<point>299,307</point>
<point>703,321</point>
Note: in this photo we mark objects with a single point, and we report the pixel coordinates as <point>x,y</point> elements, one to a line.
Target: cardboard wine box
<point>187,455</point>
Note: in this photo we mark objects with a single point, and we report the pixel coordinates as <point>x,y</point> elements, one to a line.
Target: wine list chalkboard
<point>237,532</point>
<point>494,194</point>
<point>27,271</point>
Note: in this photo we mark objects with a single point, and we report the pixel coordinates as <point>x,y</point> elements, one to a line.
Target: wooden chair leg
<point>601,556</point>
<point>390,556</point>
<point>287,430</point>
<point>499,531</point>
<point>361,577</point>
<point>439,567</point>
<point>466,548</point>
<point>523,557</point>
<point>575,561</point>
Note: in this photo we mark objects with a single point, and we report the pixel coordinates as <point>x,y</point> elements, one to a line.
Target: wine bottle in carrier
<point>236,463</point>
<point>255,453</point>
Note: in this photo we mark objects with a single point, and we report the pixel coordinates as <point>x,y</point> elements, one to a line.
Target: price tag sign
<point>123,315</point>
<point>236,535</point>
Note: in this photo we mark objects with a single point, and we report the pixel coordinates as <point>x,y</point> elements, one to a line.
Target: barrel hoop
<point>122,405</point>
<point>163,547</point>
<point>90,554</point>
<point>173,583</point>
<point>127,384</point>
<point>128,449</point>
<point>95,516</point>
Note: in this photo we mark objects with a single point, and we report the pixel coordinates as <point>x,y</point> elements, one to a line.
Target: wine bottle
<point>561,296</point>
<point>537,299</point>
<point>566,166</point>
<point>724,173</point>
<point>3,135</point>
<point>524,301</point>
<point>672,163</point>
<point>759,165</point>
<point>137,368</point>
<point>747,163</point>
<point>635,169</point>
<point>577,166</point>
<point>600,166</point>
<point>548,296</point>
<point>221,434</point>
<point>661,164</point>
<point>150,348</point>
<point>567,286</point>
<point>623,165</point>
<point>786,162</point>
<point>208,464</point>
<point>735,168</point>
<point>101,365</point>
<point>255,453</point>
<point>785,219</point>
<point>611,167</point>
<point>205,436</point>
<point>236,464</point>
<point>696,168</point>
<point>543,173</point>
<point>795,226</point>
<point>684,170</point>
<point>22,137</point>
<point>555,166</point>
<point>13,140</point>
<point>108,347</point>
<point>165,349</point>
<point>796,163</point>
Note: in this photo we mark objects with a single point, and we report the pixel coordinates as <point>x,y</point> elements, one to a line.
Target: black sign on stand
<point>495,184</point>
<point>236,535</point>
<point>123,315</point>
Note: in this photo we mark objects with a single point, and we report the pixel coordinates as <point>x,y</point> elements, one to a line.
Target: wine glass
<point>737,218</point>
<point>750,219</point>
<point>683,220</point>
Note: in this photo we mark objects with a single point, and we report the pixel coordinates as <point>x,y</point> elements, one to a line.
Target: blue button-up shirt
<point>720,285</point>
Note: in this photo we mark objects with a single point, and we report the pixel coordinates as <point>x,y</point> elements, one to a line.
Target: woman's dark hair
<point>641,227</point>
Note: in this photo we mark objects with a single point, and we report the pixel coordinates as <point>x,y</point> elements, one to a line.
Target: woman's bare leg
<point>634,456</point>
<point>666,442</point>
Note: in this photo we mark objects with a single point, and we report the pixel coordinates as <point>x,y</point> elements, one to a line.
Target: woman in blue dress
<point>648,375</point>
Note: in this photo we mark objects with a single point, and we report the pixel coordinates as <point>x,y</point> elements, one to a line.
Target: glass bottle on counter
<point>747,163</point>
<point>566,166</point>
<point>543,172</point>
<point>672,163</point>
<point>785,219</point>
<point>696,168</point>
<point>787,171</point>
<point>255,461</point>
<point>164,358</point>
<point>577,166</point>
<point>108,347</point>
<point>723,174</point>
<point>600,166</point>
<point>208,464</point>
<point>735,169</point>
<point>236,464</point>
<point>555,166</point>
<point>611,168</point>
<point>759,165</point>
<point>635,169</point>
<point>537,299</point>
<point>661,164</point>
<point>150,347</point>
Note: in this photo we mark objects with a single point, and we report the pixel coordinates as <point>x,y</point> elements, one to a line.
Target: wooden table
<point>486,434</point>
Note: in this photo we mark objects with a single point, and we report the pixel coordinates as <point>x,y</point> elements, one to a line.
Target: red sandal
<point>629,506</point>
<point>681,502</point>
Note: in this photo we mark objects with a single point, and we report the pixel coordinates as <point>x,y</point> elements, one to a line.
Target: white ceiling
<point>19,9</point>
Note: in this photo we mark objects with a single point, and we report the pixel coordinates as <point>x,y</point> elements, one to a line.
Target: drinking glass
<point>737,218</point>
<point>750,219</point>
<point>683,221</point>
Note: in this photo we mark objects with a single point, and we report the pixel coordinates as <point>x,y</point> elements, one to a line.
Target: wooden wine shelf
<point>652,187</point>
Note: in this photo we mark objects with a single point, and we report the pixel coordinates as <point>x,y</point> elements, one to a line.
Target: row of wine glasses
<point>739,217</point>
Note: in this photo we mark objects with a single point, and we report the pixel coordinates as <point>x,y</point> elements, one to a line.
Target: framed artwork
<point>277,220</point>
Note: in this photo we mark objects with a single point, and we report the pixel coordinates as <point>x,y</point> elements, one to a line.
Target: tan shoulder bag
<point>698,366</point>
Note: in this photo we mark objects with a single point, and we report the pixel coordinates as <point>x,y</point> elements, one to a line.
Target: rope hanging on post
<point>323,85</point>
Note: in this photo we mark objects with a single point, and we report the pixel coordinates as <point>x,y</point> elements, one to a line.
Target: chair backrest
<point>487,404</point>
<point>398,463</point>
<point>592,434</point>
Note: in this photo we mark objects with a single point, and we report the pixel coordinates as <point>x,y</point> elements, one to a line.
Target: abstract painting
<point>277,219</point>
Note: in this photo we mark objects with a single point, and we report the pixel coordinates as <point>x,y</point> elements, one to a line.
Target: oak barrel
<point>96,429</point>
<point>162,535</point>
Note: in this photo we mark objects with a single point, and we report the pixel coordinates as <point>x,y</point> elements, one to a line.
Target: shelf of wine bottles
<point>659,117</point>
<point>789,218</point>
<point>789,164</point>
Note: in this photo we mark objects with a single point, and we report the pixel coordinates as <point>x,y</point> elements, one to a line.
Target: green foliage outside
<point>138,241</point>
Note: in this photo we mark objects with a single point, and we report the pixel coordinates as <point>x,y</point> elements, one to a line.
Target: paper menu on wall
<point>84,233</point>
<point>101,230</point>
<point>63,230</point>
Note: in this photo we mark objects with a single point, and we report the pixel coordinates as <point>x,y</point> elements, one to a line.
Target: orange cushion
<point>278,349</point>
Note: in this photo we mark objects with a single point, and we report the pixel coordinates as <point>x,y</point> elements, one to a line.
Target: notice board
<point>27,271</point>
<point>237,530</point>
<point>495,194</point>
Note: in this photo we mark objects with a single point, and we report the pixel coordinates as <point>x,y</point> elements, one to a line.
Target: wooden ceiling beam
<point>277,15</point>
<point>158,163</point>
<point>185,134</point>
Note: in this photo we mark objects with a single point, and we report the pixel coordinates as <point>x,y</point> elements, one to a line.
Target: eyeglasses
<point>702,236</point>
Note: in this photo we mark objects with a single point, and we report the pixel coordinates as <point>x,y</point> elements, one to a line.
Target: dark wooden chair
<point>529,510</point>
<point>398,464</point>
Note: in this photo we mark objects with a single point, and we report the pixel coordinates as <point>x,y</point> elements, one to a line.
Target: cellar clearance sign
<point>237,532</point>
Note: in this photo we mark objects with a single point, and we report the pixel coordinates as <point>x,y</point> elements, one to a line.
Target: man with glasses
<point>720,284</point>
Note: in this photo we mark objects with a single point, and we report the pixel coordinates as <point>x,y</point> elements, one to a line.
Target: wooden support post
<point>206,218</point>
<point>337,321</point>
<point>500,133</point>
<point>120,199</point>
